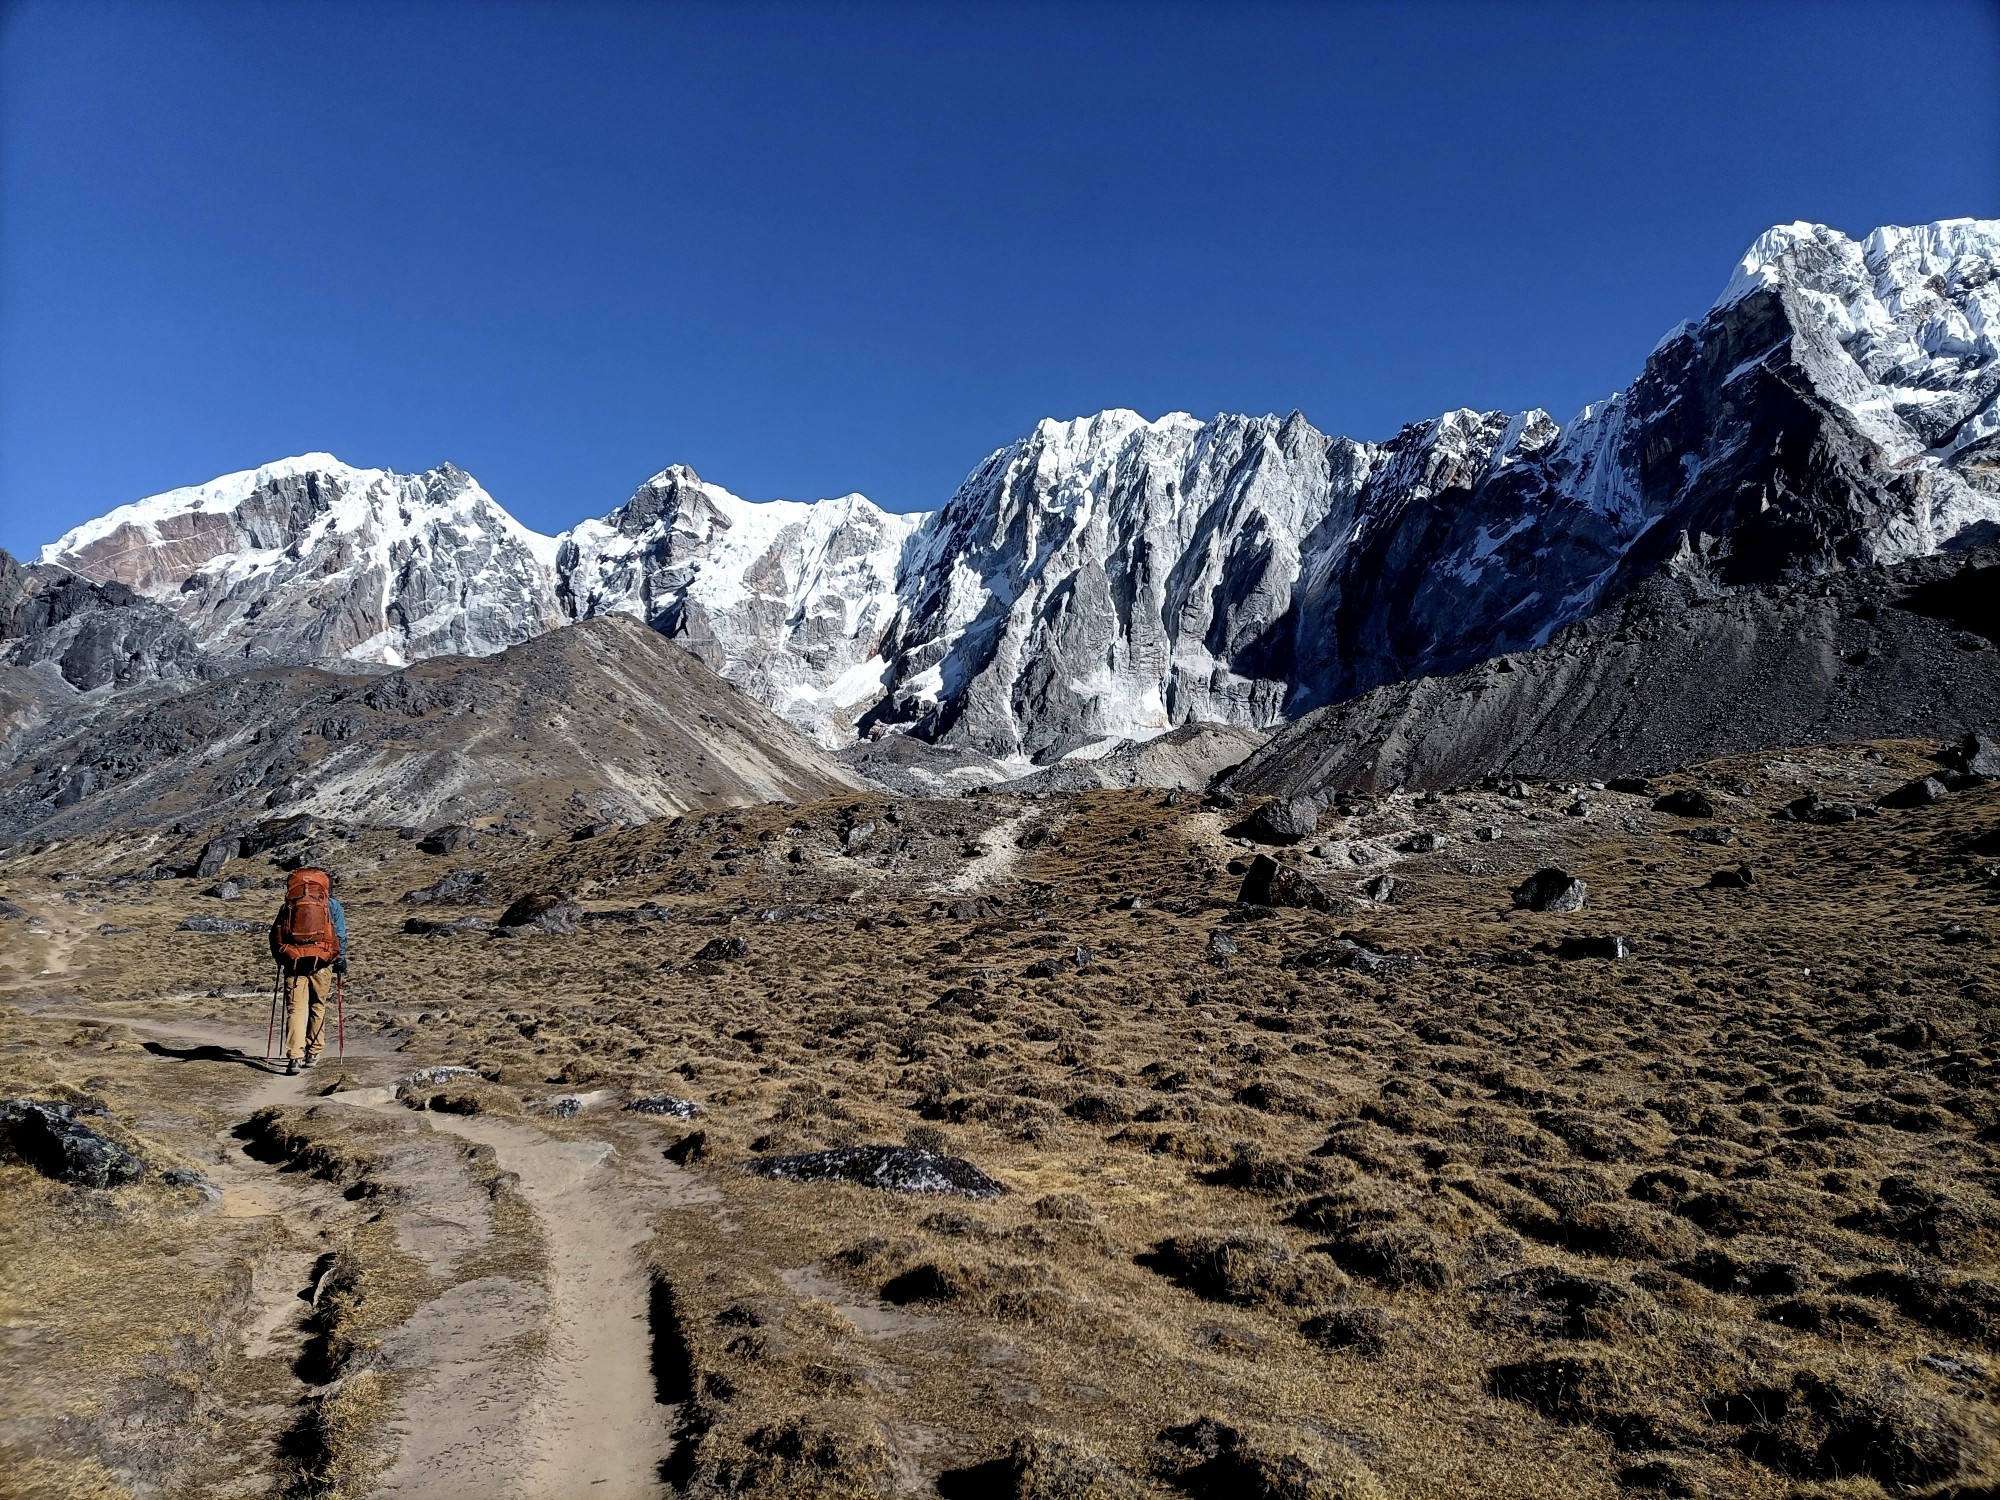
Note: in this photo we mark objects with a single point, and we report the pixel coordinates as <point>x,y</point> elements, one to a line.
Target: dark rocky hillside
<point>1674,675</point>
<point>605,720</point>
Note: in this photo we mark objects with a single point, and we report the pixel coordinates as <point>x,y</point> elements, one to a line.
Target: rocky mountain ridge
<point>1670,675</point>
<point>600,721</point>
<point>1112,577</point>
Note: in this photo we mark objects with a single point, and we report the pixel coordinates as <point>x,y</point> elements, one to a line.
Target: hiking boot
<point>291,1067</point>
<point>311,1058</point>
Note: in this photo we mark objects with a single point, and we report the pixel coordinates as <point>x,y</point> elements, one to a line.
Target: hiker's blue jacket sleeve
<point>339,925</point>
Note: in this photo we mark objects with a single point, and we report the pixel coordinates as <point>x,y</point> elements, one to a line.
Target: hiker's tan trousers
<point>305,1011</point>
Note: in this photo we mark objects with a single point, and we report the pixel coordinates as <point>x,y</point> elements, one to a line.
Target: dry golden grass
<point>1717,1219</point>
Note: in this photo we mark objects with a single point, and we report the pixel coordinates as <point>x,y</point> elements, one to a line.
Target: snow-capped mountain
<point>1835,407</point>
<point>787,600</point>
<point>1114,576</point>
<point>309,559</point>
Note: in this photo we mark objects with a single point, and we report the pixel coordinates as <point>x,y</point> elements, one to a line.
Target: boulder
<point>225,890</point>
<point>1978,754</point>
<point>9,912</point>
<point>1636,786</point>
<point>48,1136</point>
<point>1268,883</point>
<point>216,853</point>
<point>715,950</point>
<point>896,1169</point>
<point>1285,820</point>
<point>1921,792</point>
<point>1688,802</point>
<point>1425,842</point>
<point>449,839</point>
<point>1381,889</point>
<point>1551,890</point>
<point>1738,879</point>
<point>542,911</point>
<point>455,888</point>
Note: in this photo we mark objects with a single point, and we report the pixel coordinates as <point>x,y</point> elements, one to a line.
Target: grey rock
<point>201,922</point>
<point>1381,889</point>
<point>449,839</point>
<point>187,1177</point>
<point>1551,889</point>
<point>896,1169</point>
<point>49,1137</point>
<point>217,853</point>
<point>1978,754</point>
<point>1921,792</point>
<point>717,950</point>
<point>1742,877</point>
<point>1285,820</point>
<point>666,1105</point>
<point>542,911</point>
<point>1268,883</point>
<point>440,1073</point>
<point>455,887</point>
<point>1425,842</point>
<point>9,912</point>
<point>1688,802</point>
<point>225,890</point>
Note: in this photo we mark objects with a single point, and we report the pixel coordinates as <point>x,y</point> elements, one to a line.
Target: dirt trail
<point>594,1426</point>
<point>518,1389</point>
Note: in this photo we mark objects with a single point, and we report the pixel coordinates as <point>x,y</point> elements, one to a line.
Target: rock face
<point>787,600</point>
<point>94,635</point>
<point>1113,577</point>
<point>1671,675</point>
<point>310,560</point>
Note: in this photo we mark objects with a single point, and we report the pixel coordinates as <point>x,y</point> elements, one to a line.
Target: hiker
<point>309,945</point>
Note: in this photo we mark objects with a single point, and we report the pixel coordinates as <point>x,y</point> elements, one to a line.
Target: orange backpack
<point>305,926</point>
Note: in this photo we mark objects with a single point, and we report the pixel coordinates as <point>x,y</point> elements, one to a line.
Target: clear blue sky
<point>820,247</point>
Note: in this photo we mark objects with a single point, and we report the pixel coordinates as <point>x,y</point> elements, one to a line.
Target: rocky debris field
<point>1676,672</point>
<point>994,1145</point>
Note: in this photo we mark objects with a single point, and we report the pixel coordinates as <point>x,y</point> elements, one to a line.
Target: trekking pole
<point>340,1010</point>
<point>277,980</point>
